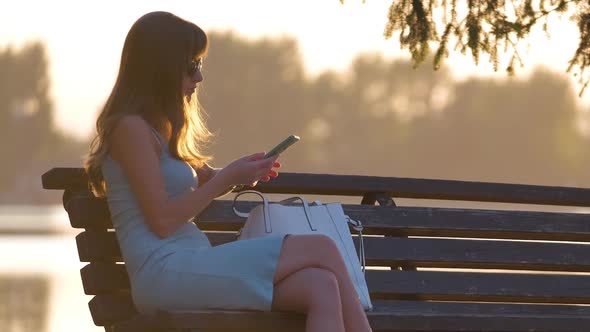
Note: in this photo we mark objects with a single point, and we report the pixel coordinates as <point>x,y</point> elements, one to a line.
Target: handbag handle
<point>358,226</point>
<point>265,212</point>
<point>305,208</point>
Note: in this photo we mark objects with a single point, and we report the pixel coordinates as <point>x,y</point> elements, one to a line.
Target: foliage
<point>381,117</point>
<point>29,142</point>
<point>484,26</point>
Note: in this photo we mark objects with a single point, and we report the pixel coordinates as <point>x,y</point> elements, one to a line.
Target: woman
<point>147,160</point>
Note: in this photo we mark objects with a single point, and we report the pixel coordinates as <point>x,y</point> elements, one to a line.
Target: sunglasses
<point>194,66</point>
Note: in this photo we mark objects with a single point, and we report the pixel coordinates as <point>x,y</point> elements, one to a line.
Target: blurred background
<point>318,69</point>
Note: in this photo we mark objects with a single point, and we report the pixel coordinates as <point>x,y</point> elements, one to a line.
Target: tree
<point>484,27</point>
<point>25,110</point>
<point>30,144</point>
<point>255,85</point>
<point>381,117</point>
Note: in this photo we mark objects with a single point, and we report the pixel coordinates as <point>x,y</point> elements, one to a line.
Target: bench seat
<point>386,316</point>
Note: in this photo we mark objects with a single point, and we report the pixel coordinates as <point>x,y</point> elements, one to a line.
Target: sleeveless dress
<point>183,271</point>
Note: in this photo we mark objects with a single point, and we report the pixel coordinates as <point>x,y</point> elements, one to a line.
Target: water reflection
<point>24,303</point>
<point>40,285</point>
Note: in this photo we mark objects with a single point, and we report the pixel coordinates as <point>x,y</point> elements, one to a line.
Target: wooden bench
<point>446,269</point>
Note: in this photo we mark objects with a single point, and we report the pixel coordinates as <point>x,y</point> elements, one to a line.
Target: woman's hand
<point>272,173</point>
<point>250,169</point>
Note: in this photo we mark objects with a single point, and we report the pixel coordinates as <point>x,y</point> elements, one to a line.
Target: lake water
<point>40,285</point>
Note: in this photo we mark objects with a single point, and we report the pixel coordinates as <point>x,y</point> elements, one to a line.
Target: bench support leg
<point>384,200</point>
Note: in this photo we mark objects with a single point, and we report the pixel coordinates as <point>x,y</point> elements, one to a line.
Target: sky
<point>84,40</point>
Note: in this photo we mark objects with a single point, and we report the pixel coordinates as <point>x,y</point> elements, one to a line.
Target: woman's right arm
<point>137,151</point>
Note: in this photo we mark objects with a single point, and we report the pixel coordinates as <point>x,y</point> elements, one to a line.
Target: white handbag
<point>315,218</point>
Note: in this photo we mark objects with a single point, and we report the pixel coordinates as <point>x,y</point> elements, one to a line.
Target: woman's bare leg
<point>314,292</point>
<point>304,251</point>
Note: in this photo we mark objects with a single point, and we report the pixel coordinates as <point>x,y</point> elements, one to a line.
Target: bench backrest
<point>413,252</point>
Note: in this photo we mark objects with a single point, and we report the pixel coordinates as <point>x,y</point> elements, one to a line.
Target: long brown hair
<point>155,57</point>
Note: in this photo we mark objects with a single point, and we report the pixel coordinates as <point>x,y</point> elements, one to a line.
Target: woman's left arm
<point>206,173</point>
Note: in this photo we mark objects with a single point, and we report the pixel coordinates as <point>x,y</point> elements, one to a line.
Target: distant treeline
<point>381,117</point>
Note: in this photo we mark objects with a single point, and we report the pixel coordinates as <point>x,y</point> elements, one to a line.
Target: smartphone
<point>292,139</point>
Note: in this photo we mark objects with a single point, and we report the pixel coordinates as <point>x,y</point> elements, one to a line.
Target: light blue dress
<point>183,271</point>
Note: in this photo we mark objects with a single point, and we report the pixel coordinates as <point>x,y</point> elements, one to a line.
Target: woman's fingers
<point>256,156</point>
<point>269,175</point>
<point>265,169</point>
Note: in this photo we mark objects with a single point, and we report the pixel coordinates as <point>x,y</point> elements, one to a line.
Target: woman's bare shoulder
<point>131,123</point>
<point>131,133</point>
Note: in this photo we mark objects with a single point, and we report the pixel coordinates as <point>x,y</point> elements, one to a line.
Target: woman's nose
<point>198,77</point>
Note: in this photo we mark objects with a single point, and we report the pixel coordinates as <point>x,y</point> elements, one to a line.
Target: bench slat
<point>110,308</point>
<point>86,211</point>
<point>358,185</point>
<point>103,278</point>
<point>104,247</point>
<point>98,246</point>
<point>483,287</point>
<point>65,178</point>
<point>420,221</point>
<point>424,316</point>
<point>384,220</point>
<point>244,322</point>
<point>100,278</point>
<point>477,254</point>
<point>415,252</point>
<point>394,316</point>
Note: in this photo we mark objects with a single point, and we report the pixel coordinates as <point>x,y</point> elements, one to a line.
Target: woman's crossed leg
<point>318,254</point>
<point>314,292</point>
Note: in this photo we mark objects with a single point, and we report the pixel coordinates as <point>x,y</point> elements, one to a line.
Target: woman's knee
<point>316,243</point>
<point>302,251</point>
<point>307,289</point>
<point>325,248</point>
<point>325,241</point>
